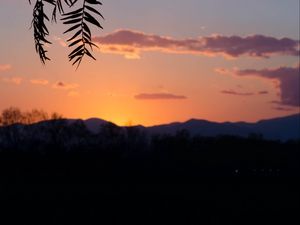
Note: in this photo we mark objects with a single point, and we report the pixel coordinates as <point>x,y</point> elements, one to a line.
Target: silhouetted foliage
<point>122,175</point>
<point>78,18</point>
<point>13,115</point>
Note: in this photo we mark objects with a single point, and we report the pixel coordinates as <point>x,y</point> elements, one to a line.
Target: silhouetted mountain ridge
<point>282,128</point>
<point>93,124</point>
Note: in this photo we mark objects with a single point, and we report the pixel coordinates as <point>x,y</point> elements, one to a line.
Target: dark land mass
<point>284,128</point>
<point>57,172</point>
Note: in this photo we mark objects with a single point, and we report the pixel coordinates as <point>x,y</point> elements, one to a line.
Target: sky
<point>160,61</point>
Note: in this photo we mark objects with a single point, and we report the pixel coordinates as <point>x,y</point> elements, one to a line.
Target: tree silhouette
<point>80,15</point>
<point>11,116</point>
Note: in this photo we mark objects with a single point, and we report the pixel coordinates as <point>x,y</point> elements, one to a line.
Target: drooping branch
<point>82,38</point>
<point>40,30</point>
<point>79,19</point>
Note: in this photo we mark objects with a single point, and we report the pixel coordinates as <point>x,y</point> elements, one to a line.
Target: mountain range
<point>283,128</point>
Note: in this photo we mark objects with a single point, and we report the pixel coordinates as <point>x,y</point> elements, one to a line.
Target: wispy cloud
<point>263,92</point>
<point>243,94</point>
<point>287,81</point>
<point>13,80</point>
<point>131,43</point>
<point>60,41</point>
<point>232,92</point>
<point>65,86</point>
<point>5,67</point>
<point>39,82</point>
<point>280,108</point>
<point>159,96</point>
<point>70,88</point>
<point>224,71</point>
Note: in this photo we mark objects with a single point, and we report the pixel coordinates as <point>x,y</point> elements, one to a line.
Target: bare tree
<point>11,116</point>
<point>14,115</point>
<point>35,116</point>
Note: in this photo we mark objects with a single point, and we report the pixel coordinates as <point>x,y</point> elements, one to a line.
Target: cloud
<point>280,108</point>
<point>64,86</point>
<point>232,92</point>
<point>60,41</point>
<point>245,94</point>
<point>13,80</point>
<point>223,71</point>
<point>263,92</point>
<point>5,67</point>
<point>159,96</point>
<point>131,43</point>
<point>39,82</point>
<point>287,81</point>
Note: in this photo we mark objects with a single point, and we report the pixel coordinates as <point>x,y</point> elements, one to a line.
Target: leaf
<point>89,54</point>
<point>93,2</point>
<point>75,35</point>
<point>72,21</point>
<point>87,35</point>
<point>77,54</point>
<point>76,49</point>
<point>87,29</point>
<point>72,16</point>
<point>74,12</point>
<point>72,28</point>
<point>77,61</point>
<point>92,20</point>
<point>75,42</point>
<point>94,10</point>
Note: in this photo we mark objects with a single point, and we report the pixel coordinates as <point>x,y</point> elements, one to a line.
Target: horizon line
<point>184,121</point>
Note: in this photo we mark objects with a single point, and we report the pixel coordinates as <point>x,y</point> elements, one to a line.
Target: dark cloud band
<point>131,43</point>
<point>288,82</point>
<point>159,96</point>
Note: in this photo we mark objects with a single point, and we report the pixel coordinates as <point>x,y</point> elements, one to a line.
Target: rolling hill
<point>283,128</point>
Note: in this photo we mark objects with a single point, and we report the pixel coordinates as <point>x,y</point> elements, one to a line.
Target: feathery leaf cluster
<point>79,19</point>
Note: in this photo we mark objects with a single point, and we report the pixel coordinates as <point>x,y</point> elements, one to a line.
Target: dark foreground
<point>165,180</point>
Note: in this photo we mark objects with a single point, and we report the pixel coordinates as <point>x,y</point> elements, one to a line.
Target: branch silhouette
<point>79,17</point>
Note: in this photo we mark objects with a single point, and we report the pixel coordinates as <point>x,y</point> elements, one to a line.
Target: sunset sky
<point>161,61</point>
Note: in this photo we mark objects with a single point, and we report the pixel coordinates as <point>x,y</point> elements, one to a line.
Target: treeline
<point>155,154</point>
<point>58,172</point>
<point>14,115</point>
